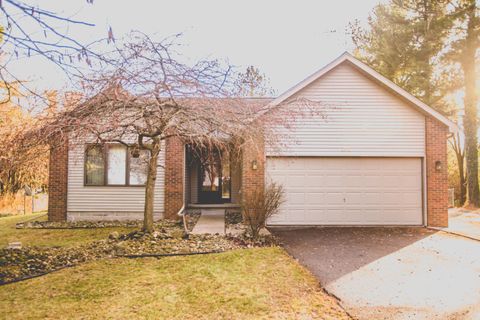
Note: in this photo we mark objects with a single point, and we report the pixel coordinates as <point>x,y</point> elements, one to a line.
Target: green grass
<point>261,283</point>
<point>49,237</point>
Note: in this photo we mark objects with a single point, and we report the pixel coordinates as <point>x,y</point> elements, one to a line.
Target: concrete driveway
<point>392,273</point>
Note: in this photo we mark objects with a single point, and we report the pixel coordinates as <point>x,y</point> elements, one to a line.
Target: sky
<point>286,40</point>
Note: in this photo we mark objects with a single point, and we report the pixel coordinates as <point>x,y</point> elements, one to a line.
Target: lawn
<point>260,283</point>
<point>240,284</point>
<point>48,237</point>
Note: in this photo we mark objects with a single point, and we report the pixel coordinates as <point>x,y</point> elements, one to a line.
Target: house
<point>377,157</point>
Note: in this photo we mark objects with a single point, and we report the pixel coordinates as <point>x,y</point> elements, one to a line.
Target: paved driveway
<point>392,273</point>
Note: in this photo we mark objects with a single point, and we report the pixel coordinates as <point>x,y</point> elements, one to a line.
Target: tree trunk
<point>470,120</point>
<point>427,69</point>
<point>462,183</point>
<point>150,187</point>
<point>456,143</point>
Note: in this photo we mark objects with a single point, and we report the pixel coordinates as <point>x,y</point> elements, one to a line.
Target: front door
<point>214,180</point>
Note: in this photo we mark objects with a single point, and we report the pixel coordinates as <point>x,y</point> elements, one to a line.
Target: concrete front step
<point>211,221</point>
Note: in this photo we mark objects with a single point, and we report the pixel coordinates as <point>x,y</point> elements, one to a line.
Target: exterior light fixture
<point>438,165</point>
<point>254,165</point>
<point>135,151</point>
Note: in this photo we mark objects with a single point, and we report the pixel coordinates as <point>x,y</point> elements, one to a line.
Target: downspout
<point>181,212</point>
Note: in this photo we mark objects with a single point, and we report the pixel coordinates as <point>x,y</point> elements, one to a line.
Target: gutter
<point>181,212</point>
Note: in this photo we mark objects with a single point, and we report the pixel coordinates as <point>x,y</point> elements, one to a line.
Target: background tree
<point>463,50</point>
<point>253,83</point>
<point>403,41</point>
<point>18,170</point>
<point>28,30</point>
<point>456,144</point>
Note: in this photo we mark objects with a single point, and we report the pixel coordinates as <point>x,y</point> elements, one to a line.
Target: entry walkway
<point>211,221</point>
<point>464,222</point>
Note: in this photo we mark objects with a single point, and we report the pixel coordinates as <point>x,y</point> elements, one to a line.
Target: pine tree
<point>403,42</point>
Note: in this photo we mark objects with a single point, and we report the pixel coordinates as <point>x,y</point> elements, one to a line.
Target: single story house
<point>378,157</point>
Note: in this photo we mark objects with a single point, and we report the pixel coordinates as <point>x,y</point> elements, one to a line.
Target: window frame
<point>105,147</point>
<point>87,146</point>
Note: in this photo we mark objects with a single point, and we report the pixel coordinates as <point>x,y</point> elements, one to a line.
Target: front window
<point>226,179</point>
<point>138,168</point>
<point>113,165</point>
<point>211,174</point>
<point>117,164</point>
<point>94,166</point>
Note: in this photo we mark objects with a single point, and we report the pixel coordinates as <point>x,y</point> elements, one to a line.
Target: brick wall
<point>174,159</point>
<point>437,185</point>
<point>253,179</point>
<point>57,182</point>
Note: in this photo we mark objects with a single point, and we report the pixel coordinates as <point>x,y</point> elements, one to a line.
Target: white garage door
<point>348,191</point>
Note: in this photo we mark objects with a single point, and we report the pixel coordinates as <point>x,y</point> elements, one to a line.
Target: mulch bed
<point>233,217</point>
<point>30,261</point>
<point>168,239</point>
<point>91,224</point>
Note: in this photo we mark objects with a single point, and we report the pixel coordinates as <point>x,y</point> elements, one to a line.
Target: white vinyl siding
<point>358,117</point>
<point>348,191</point>
<point>109,202</point>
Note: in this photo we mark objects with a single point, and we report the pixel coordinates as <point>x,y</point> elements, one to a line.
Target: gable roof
<point>377,77</point>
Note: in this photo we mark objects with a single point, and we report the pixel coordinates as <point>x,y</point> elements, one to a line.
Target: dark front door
<point>214,180</point>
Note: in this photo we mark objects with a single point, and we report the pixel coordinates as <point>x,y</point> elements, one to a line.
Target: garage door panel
<point>335,215</point>
<point>295,198</point>
<point>409,182</point>
<point>348,191</point>
<point>314,181</point>
<point>333,180</point>
<point>334,198</point>
<point>296,180</point>
<point>314,198</point>
<point>294,215</point>
<point>391,198</point>
<point>356,180</point>
<point>373,180</point>
<point>358,216</point>
<point>359,198</point>
<point>390,181</point>
<point>413,197</point>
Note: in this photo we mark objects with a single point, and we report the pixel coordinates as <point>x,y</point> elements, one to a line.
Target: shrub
<point>260,205</point>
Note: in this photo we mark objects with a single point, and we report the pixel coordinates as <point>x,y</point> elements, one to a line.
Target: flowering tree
<point>149,96</point>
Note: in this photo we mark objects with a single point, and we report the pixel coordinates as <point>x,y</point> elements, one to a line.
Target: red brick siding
<point>253,179</point>
<point>57,182</point>
<point>437,185</point>
<point>174,172</point>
